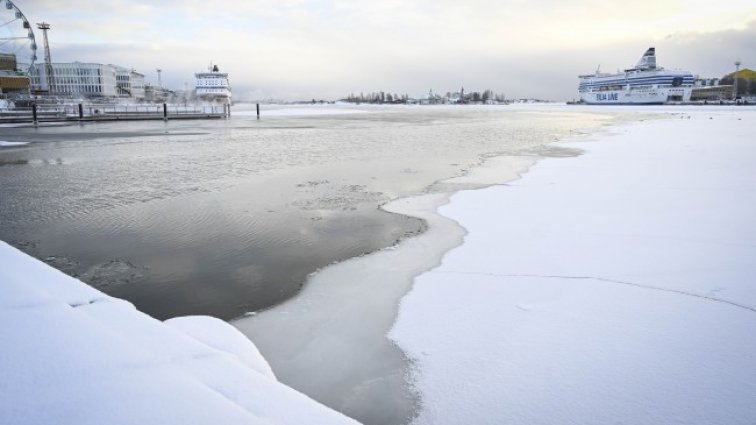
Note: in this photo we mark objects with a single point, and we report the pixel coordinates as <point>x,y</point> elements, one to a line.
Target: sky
<point>327,49</point>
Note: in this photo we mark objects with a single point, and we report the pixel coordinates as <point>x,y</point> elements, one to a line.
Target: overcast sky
<point>302,49</point>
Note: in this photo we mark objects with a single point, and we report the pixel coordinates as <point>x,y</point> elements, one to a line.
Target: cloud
<point>326,49</point>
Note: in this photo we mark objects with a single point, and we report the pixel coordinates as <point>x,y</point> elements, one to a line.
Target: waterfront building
<point>11,80</point>
<point>75,79</point>
<point>710,90</point>
<point>716,89</point>
<point>706,82</point>
<point>743,81</point>
<point>711,93</point>
<point>156,93</point>
<point>129,83</point>
<point>80,79</point>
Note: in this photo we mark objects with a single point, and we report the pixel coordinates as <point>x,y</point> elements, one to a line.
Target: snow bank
<point>71,354</point>
<point>613,287</point>
<point>220,335</point>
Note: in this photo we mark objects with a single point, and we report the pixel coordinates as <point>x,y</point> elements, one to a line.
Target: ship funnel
<point>648,61</point>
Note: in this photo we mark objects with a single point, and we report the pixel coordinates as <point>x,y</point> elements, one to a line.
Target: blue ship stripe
<point>636,80</point>
<point>639,81</point>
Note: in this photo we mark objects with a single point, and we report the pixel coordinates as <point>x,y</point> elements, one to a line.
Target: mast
<point>735,80</point>
<point>44,26</point>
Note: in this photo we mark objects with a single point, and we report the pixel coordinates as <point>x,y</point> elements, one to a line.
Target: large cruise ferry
<point>645,84</point>
<point>213,85</point>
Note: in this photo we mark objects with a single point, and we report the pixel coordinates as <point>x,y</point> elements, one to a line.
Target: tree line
<point>381,97</point>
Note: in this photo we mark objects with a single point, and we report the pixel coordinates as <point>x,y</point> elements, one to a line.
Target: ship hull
<point>634,96</point>
<point>623,97</point>
<point>215,98</point>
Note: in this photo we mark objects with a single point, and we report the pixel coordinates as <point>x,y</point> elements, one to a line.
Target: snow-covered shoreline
<point>73,355</point>
<point>613,287</point>
<point>342,314</point>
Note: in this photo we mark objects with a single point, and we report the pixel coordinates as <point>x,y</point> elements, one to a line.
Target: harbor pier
<point>101,112</point>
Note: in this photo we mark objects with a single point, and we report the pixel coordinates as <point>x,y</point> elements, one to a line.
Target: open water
<point>227,217</point>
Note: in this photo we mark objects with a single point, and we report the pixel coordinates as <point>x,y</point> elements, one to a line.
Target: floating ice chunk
<point>4,144</point>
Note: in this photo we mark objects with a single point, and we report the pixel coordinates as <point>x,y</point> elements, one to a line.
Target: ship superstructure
<point>213,85</point>
<point>644,84</point>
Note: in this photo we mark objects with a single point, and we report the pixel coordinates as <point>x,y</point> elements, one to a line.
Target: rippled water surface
<point>224,217</point>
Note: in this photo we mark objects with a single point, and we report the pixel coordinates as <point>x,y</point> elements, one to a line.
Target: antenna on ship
<point>160,77</point>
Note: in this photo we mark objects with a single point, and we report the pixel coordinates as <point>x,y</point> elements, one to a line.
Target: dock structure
<point>91,112</point>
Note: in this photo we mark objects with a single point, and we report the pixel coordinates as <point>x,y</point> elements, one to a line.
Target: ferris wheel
<point>17,36</point>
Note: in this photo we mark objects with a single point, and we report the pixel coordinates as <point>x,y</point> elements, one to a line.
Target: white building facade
<point>129,83</point>
<point>75,79</point>
<point>80,79</point>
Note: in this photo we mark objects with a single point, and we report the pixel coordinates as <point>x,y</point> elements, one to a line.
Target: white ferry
<point>213,85</point>
<point>645,84</point>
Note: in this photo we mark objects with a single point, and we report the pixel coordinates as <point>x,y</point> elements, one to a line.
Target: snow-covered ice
<point>295,110</point>
<point>70,354</point>
<point>613,287</point>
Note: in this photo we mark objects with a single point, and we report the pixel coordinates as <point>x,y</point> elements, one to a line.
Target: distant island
<point>487,97</point>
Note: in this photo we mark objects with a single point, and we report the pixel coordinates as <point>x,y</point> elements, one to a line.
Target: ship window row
<point>78,71</point>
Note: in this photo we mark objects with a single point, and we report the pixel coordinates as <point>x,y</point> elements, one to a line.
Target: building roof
<point>746,73</point>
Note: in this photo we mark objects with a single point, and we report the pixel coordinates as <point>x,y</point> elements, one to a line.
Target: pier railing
<point>109,112</point>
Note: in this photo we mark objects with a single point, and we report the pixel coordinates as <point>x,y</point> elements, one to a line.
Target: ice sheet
<point>286,111</point>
